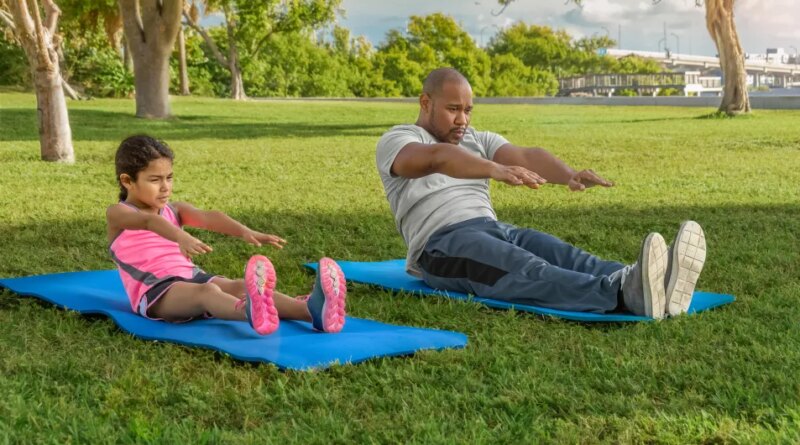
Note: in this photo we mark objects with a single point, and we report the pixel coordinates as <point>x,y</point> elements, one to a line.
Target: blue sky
<point>761,23</point>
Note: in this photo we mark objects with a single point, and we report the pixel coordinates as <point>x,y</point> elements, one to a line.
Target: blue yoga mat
<point>294,346</point>
<point>392,275</point>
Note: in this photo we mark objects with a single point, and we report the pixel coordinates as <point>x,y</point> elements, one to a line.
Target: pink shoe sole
<point>335,289</point>
<point>259,280</point>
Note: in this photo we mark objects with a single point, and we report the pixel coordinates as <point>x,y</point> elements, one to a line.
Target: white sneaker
<point>643,284</point>
<point>686,258</point>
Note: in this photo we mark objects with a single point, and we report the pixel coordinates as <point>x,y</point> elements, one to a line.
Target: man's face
<point>448,112</point>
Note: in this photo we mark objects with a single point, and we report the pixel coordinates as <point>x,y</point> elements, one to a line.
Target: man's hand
<point>190,245</point>
<point>515,175</point>
<point>586,178</point>
<point>258,238</point>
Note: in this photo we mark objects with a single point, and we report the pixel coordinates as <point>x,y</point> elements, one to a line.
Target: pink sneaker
<point>327,299</point>
<point>259,282</point>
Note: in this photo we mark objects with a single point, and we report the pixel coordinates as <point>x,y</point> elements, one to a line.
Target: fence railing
<point>622,81</point>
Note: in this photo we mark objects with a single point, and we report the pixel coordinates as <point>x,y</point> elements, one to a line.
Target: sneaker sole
<point>654,269</point>
<point>259,280</point>
<point>688,258</point>
<point>335,289</point>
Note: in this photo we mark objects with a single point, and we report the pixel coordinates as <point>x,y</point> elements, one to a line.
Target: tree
<point>722,28</point>
<point>249,25</point>
<point>511,77</point>
<point>151,27</point>
<point>431,42</point>
<point>40,42</point>
<point>720,24</point>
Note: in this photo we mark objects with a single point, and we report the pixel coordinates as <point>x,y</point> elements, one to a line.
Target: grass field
<point>306,171</point>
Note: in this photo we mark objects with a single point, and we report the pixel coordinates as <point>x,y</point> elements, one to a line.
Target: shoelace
<point>239,304</point>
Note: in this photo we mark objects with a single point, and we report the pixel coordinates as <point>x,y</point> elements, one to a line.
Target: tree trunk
<point>55,134</point>
<point>127,60</point>
<point>720,24</point>
<point>151,27</point>
<point>151,84</point>
<point>237,85</point>
<point>182,56</point>
<point>231,63</point>
<point>40,43</point>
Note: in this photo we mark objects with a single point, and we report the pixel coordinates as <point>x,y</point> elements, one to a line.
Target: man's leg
<point>560,253</point>
<point>479,259</point>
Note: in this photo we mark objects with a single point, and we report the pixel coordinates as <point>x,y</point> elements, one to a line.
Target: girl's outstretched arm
<point>219,222</point>
<point>121,217</point>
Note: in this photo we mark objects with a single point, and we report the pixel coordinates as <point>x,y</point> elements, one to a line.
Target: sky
<point>637,24</point>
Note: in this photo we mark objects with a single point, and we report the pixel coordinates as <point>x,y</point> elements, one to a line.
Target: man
<point>436,177</point>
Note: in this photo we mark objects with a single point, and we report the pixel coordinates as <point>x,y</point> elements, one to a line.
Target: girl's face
<point>152,187</point>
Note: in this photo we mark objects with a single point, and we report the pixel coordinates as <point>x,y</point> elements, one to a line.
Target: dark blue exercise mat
<point>392,275</point>
<point>294,346</point>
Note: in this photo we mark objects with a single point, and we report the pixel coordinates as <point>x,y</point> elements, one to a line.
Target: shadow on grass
<point>585,121</point>
<point>751,248</point>
<point>754,254</point>
<point>95,125</point>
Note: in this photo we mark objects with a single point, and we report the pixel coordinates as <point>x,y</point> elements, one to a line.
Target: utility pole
<point>619,36</point>
<point>677,43</point>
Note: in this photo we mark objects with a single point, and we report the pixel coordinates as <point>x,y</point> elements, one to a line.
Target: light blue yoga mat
<point>392,275</point>
<point>294,346</point>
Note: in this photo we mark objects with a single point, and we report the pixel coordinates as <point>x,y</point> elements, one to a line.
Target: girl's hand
<point>190,245</point>
<point>258,238</point>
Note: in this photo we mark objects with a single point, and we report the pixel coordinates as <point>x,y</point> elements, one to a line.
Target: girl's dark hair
<point>134,154</point>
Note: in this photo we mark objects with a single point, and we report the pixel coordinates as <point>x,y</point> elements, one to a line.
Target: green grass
<point>305,171</point>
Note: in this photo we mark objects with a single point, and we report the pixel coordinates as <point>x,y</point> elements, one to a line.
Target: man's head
<point>445,105</point>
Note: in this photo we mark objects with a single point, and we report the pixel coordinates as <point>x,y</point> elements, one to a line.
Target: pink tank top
<point>145,258</point>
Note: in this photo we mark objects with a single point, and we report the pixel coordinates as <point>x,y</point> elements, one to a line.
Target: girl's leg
<point>183,301</point>
<point>288,307</point>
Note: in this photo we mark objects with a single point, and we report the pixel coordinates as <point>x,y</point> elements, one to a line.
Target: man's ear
<point>424,101</point>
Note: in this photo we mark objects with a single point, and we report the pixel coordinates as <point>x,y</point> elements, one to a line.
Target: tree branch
<point>500,11</point>
<point>263,40</point>
<point>8,19</point>
<point>69,91</point>
<point>43,52</point>
<point>52,13</point>
<point>170,16</point>
<point>23,19</point>
<point>207,38</point>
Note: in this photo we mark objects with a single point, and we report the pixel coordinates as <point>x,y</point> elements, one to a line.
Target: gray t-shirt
<point>424,205</point>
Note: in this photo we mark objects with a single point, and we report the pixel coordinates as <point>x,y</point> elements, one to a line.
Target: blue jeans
<point>491,259</point>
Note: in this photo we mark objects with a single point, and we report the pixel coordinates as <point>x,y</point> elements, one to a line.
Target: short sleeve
<point>390,145</point>
<point>491,142</point>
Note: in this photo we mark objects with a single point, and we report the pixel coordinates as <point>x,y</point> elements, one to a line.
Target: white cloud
<point>761,23</point>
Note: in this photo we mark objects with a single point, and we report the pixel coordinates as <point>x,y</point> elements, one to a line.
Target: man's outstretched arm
<point>416,160</point>
<point>548,166</point>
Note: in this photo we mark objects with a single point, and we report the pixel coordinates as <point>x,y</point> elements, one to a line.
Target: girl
<point>153,255</point>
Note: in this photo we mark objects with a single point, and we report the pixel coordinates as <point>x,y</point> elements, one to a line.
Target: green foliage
<point>293,66</point>
<point>626,93</point>
<point>290,49</point>
<point>511,77</point>
<point>669,92</point>
<point>431,42</point>
<point>93,66</point>
<point>554,50</point>
<point>13,63</point>
<point>537,46</point>
<point>201,69</point>
<point>633,65</point>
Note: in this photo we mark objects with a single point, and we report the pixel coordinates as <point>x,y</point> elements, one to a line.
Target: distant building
<point>773,55</point>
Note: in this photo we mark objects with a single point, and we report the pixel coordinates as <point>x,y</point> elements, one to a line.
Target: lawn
<point>305,170</point>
